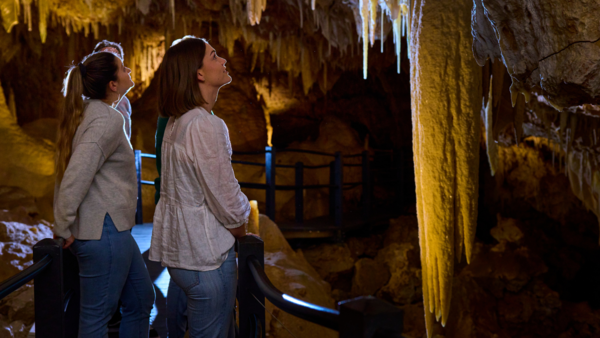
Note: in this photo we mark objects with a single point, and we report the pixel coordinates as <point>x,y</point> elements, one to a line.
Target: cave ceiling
<point>550,47</point>
<point>299,37</point>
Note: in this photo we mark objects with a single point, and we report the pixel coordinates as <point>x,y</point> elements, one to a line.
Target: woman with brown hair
<point>96,197</point>
<point>201,209</point>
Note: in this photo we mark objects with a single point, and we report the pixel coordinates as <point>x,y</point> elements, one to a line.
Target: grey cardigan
<point>100,177</point>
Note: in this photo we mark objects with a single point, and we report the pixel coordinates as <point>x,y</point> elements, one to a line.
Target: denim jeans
<point>110,269</point>
<point>176,311</point>
<point>210,298</point>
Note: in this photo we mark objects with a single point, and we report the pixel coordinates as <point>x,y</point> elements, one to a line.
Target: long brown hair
<point>89,78</point>
<point>178,82</point>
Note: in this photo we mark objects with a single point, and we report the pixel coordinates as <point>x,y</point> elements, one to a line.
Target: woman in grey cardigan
<point>95,198</point>
<point>201,207</point>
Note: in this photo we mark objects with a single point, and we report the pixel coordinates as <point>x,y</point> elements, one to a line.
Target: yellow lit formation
<point>446,102</point>
<point>398,12</point>
<point>253,223</point>
<point>255,9</point>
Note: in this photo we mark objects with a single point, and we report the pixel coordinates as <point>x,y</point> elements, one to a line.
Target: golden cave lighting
<point>446,103</point>
<point>253,222</point>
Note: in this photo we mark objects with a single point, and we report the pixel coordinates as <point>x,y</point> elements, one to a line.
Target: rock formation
<point>290,273</point>
<point>26,162</point>
<point>446,101</point>
<point>19,231</point>
<point>547,46</point>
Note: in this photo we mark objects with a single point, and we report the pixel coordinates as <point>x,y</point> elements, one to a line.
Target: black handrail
<point>306,152</point>
<point>23,277</point>
<point>248,163</point>
<point>362,317</point>
<point>336,185</point>
<point>311,312</point>
<point>258,152</point>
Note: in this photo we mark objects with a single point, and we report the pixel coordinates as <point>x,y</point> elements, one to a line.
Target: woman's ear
<point>112,85</point>
<point>200,75</point>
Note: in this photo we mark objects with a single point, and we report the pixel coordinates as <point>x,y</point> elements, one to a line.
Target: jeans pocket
<point>77,244</point>
<point>185,279</point>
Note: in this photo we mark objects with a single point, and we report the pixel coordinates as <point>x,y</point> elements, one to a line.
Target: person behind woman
<point>201,207</point>
<point>95,198</point>
<point>124,106</point>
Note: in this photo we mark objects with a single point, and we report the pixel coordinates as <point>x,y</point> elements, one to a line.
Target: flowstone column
<point>446,102</point>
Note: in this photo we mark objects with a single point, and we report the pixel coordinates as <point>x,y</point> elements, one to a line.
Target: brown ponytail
<point>90,79</point>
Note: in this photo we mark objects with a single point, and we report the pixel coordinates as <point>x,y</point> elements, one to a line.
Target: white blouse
<point>200,198</point>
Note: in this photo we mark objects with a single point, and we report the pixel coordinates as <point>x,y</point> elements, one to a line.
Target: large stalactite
<point>446,102</point>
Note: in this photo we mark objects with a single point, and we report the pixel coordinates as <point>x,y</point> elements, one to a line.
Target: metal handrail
<point>248,163</point>
<point>23,277</point>
<point>311,312</point>
<point>249,152</point>
<point>145,155</point>
<point>306,152</point>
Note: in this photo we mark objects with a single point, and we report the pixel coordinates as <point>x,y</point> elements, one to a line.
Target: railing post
<point>299,192</point>
<point>49,291</point>
<point>270,181</point>
<point>138,170</point>
<point>251,300</point>
<point>367,317</point>
<point>339,197</point>
<point>366,185</point>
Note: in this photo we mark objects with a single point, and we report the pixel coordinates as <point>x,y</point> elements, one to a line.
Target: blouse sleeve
<point>210,149</point>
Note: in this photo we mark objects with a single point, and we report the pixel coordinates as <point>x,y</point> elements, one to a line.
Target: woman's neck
<point>210,96</point>
<point>111,99</point>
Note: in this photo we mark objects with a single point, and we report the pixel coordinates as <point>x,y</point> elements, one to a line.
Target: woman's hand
<point>68,242</point>
<point>238,232</point>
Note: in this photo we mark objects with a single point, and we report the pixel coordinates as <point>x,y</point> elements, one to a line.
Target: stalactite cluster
<point>572,135</point>
<point>327,40</point>
<point>398,13</point>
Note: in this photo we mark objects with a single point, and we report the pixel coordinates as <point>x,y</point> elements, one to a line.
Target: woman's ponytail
<point>69,118</point>
<point>90,79</point>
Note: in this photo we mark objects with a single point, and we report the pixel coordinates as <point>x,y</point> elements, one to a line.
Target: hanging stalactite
<point>446,102</point>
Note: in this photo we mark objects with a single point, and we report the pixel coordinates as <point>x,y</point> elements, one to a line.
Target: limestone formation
<point>333,262</point>
<point>369,276</point>
<point>400,256</point>
<point>19,231</point>
<point>446,101</point>
<point>550,46</point>
<point>293,275</point>
<point>25,162</point>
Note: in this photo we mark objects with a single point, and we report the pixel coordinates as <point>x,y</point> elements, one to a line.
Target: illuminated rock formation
<point>291,273</point>
<point>446,101</point>
<point>25,162</point>
<point>18,233</point>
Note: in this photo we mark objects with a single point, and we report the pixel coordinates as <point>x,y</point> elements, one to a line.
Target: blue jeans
<point>210,298</point>
<point>110,269</point>
<point>176,311</point>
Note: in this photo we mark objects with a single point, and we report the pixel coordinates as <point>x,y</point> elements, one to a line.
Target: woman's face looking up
<point>213,71</point>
